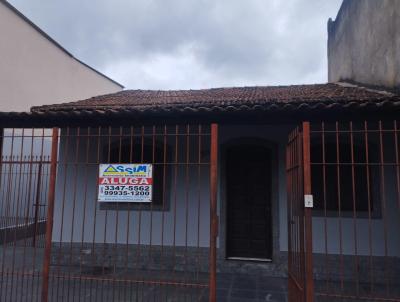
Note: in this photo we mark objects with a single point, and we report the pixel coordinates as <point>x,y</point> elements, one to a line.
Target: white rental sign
<point>125,183</point>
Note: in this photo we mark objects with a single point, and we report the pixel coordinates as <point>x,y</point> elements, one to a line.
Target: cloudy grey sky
<point>182,44</point>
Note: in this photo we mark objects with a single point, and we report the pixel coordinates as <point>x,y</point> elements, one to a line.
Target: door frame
<point>273,148</point>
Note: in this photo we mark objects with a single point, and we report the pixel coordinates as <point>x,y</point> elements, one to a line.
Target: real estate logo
<point>126,170</point>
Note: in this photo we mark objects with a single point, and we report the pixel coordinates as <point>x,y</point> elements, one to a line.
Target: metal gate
<point>58,243</point>
<point>345,246</point>
<point>299,219</point>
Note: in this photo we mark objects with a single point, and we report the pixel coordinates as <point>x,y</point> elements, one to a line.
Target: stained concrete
<point>364,43</point>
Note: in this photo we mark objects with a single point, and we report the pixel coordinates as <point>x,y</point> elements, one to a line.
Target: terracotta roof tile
<point>235,98</point>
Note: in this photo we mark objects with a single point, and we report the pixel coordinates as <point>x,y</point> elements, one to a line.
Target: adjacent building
<point>35,69</point>
<point>364,43</point>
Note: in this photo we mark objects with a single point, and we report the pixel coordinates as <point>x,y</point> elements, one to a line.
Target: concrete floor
<point>22,281</point>
<point>18,287</point>
<point>111,287</point>
<point>244,288</point>
<point>230,288</point>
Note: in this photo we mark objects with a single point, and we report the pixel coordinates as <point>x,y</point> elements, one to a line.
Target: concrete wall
<point>35,71</point>
<point>364,43</point>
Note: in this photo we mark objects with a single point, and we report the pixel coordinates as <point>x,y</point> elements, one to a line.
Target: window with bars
<point>345,176</point>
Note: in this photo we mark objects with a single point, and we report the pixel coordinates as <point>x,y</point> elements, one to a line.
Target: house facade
<point>299,182</point>
<point>228,190</point>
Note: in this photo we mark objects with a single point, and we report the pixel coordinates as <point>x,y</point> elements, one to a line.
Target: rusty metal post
<point>309,278</point>
<point>37,202</point>
<point>50,214</point>
<point>1,151</point>
<point>213,212</point>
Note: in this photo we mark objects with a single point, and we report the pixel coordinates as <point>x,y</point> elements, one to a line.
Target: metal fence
<point>26,180</point>
<point>352,244</point>
<point>58,243</point>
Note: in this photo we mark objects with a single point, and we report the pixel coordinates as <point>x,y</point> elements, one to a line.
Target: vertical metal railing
<point>23,152</point>
<point>213,212</point>
<point>50,214</point>
<point>166,237</point>
<point>309,278</point>
<point>355,182</point>
<point>92,251</point>
<point>37,202</point>
<point>295,217</point>
<point>1,152</point>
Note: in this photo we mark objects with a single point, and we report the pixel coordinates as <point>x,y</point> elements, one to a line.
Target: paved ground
<point>110,287</point>
<point>244,288</point>
<point>27,287</point>
<point>22,281</point>
<point>231,288</point>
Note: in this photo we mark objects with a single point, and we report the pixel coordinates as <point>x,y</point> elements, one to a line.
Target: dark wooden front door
<point>249,227</point>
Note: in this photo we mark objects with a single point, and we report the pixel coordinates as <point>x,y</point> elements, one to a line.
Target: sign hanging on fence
<point>125,183</point>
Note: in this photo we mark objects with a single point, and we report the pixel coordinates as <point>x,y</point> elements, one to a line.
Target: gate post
<point>1,150</point>
<point>50,214</point>
<point>213,213</point>
<point>309,278</point>
<point>37,203</point>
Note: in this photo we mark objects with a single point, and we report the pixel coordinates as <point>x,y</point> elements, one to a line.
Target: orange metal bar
<point>50,214</point>
<point>1,153</point>
<point>37,202</point>
<point>213,212</point>
<point>309,280</point>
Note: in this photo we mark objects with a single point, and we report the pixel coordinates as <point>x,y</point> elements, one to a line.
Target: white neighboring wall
<point>35,70</point>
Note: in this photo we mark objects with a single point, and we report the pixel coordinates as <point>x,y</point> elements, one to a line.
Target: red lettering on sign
<point>125,181</point>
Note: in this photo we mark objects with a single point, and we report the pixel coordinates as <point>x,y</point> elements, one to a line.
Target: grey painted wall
<point>364,43</point>
<point>73,179</point>
<point>76,193</point>
<point>77,211</point>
